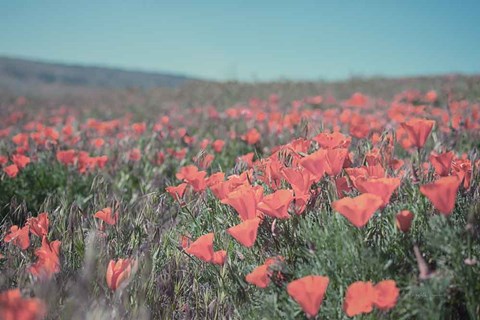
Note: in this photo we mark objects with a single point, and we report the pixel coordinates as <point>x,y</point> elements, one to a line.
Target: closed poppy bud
<point>118,272</point>
<point>404,220</point>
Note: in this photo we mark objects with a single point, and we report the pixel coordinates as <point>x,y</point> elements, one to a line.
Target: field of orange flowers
<point>270,209</point>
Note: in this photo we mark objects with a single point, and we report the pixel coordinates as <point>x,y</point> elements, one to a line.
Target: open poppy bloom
<point>202,248</point>
<point>20,160</point>
<point>386,294</point>
<point>358,210</point>
<point>14,307</point>
<point>308,292</point>
<point>442,193</point>
<point>118,272</point>
<point>245,232</point>
<point>177,191</point>
<point>106,216</point>
<point>404,220</point>
<point>245,200</point>
<point>11,170</point>
<point>316,164</point>
<point>260,276</point>
<point>418,131</point>
<point>48,262</point>
<point>442,163</point>
<point>39,225</point>
<point>382,187</point>
<point>359,298</point>
<point>219,257</point>
<point>276,204</point>
<point>19,237</point>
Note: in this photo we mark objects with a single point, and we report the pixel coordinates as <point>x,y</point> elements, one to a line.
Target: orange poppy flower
<point>247,159</point>
<point>358,210</point>
<point>66,157</point>
<point>404,220</point>
<point>177,191</point>
<point>382,187</point>
<point>332,140</point>
<point>20,160</point>
<point>118,273</point>
<point>134,155</point>
<point>386,294</point>
<point>300,180</point>
<point>39,225</point>
<point>309,292</point>
<point>11,170</point>
<point>442,163</point>
<point>219,257</point>
<point>244,200</point>
<point>217,145</point>
<point>215,178</point>
<point>418,130</point>
<point>106,216</point>
<point>442,193</point>
<point>260,276</point>
<point>335,159</point>
<point>245,232</point>
<point>341,184</point>
<point>359,298</point>
<point>202,248</point>
<point>19,237</point>
<point>276,204</point>
<point>316,164</point>
<point>251,137</point>
<point>14,307</point>
<point>48,262</point>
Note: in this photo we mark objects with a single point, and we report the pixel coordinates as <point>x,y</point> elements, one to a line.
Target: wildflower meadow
<point>268,208</point>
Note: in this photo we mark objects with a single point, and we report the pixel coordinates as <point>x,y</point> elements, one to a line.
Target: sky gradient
<point>249,40</point>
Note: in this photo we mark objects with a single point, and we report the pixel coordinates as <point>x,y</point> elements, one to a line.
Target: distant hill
<point>20,74</point>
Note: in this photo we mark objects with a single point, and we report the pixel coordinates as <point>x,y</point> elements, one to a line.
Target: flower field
<point>318,207</point>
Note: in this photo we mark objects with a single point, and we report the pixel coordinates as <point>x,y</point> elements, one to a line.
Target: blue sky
<point>249,40</point>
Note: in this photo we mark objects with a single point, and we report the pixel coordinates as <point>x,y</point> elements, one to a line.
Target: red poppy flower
<point>245,232</point>
<point>358,210</point>
<point>309,292</point>
<point>442,193</point>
